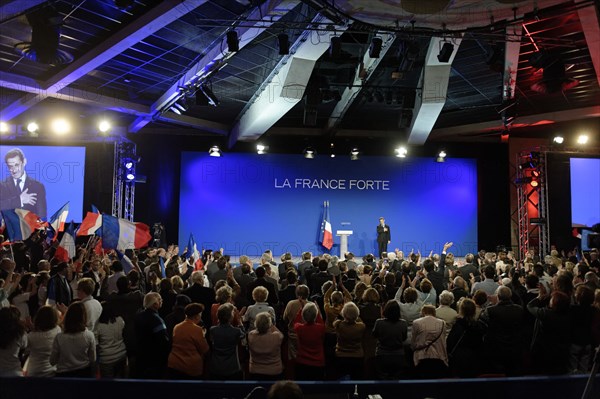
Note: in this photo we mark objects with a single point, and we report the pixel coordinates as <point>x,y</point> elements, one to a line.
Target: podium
<point>343,234</point>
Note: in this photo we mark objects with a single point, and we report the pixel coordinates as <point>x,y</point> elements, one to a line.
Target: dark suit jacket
<point>203,295</point>
<point>261,282</point>
<point>383,236</point>
<point>9,195</point>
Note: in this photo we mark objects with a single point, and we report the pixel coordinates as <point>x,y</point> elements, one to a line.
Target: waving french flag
<point>90,224</point>
<point>192,250</point>
<point>57,221</point>
<point>122,234</point>
<point>21,223</point>
<point>66,248</point>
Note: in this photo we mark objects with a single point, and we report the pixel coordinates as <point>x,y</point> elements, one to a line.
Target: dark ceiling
<point>132,61</point>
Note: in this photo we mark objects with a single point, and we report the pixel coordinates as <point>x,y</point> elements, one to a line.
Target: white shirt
<point>111,347</point>
<point>40,347</point>
<point>93,308</point>
<point>71,352</point>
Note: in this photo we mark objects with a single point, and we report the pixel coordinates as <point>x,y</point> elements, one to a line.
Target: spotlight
<point>284,43</point>
<point>535,173</point>
<point>309,153</point>
<point>33,127</point>
<point>261,149</point>
<point>558,139</point>
<point>129,176</point>
<point>354,153</point>
<point>534,183</point>
<point>104,126</point>
<point>375,48</point>
<point>441,156</point>
<point>233,42</point>
<point>60,126</point>
<point>401,152</point>
<point>3,127</point>
<point>332,155</point>
<point>445,52</point>
<point>128,163</point>
<point>582,139</point>
<point>214,151</point>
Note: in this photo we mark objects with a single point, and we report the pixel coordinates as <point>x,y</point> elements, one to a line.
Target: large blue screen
<point>585,192</point>
<point>59,169</point>
<point>247,203</point>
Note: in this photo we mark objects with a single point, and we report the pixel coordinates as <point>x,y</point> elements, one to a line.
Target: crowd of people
<point>153,314</point>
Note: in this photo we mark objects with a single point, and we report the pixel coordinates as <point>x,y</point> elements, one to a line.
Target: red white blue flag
<point>66,248</point>
<point>90,224</point>
<point>122,234</point>
<point>192,250</point>
<point>57,221</point>
<point>21,223</point>
<point>326,231</point>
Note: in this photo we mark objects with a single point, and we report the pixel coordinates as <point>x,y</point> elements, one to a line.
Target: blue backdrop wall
<point>246,203</point>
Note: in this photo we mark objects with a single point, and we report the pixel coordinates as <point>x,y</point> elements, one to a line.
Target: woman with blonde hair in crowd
<point>349,348</point>
<point>224,295</point>
<point>264,344</point>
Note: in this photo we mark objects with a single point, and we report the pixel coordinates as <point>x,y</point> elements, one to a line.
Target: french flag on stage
<point>90,224</point>
<point>192,250</point>
<point>66,249</point>
<point>163,269</point>
<point>57,221</point>
<point>326,231</point>
<point>21,223</point>
<point>122,234</point>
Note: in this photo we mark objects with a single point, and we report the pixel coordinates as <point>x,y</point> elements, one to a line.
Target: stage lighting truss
<point>124,179</point>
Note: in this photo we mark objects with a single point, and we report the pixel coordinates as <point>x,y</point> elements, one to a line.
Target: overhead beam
<point>266,14</point>
<point>363,73</point>
<point>104,101</point>
<point>523,122</point>
<point>12,8</point>
<point>434,83</point>
<point>588,16</point>
<point>155,19</point>
<point>285,86</point>
<point>512,50</point>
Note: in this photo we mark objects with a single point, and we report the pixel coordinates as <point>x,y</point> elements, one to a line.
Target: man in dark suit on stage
<point>384,237</point>
<point>20,190</point>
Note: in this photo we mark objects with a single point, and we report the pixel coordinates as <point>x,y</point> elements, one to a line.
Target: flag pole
<point>12,254</point>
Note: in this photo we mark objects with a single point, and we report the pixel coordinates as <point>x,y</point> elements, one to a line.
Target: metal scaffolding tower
<point>125,161</point>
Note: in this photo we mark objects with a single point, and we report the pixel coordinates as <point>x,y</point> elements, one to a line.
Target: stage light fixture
<point>60,126</point>
<point>535,173</point>
<point>583,139</point>
<point>445,52</point>
<point>558,140</point>
<point>261,149</point>
<point>214,151</point>
<point>284,43</point>
<point>32,127</point>
<point>3,127</point>
<point>104,126</point>
<point>128,163</point>
<point>210,96</point>
<point>129,176</point>
<point>233,42</point>
<point>375,47</point>
<point>354,154</point>
<point>534,183</point>
<point>441,157</point>
<point>401,152</point>
<point>335,47</point>
<point>309,153</point>
<point>523,180</point>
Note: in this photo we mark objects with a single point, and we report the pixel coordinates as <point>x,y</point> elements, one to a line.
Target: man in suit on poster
<point>384,236</point>
<point>19,190</point>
